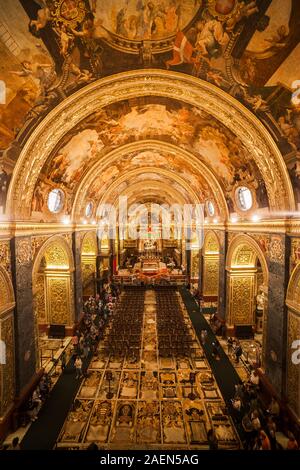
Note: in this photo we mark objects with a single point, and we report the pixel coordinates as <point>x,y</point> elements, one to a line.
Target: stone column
<point>222,235</point>
<point>276,328</point>
<point>25,323</point>
<point>76,243</point>
<point>293,366</point>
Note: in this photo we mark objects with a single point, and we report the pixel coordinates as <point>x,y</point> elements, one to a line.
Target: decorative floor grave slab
<point>100,422</point>
<point>149,405</point>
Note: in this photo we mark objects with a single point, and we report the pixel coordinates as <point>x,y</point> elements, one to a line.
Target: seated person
<point>274,408</point>
<point>254,378</point>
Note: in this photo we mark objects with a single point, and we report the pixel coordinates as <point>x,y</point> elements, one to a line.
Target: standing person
<point>212,440</point>
<point>203,336</point>
<point>86,348</point>
<point>75,343</point>
<point>229,345</point>
<point>238,352</point>
<point>63,361</point>
<point>78,367</point>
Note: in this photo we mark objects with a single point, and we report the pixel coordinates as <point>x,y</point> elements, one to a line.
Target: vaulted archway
<point>53,287</point>
<point>247,287</point>
<point>293,345</point>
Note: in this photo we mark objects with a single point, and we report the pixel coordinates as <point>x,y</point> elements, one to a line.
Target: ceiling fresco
<point>51,48</point>
<point>140,20</point>
<point>154,119</point>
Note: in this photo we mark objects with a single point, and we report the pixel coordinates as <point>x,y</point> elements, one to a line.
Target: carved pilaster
<point>25,330</point>
<point>276,334</point>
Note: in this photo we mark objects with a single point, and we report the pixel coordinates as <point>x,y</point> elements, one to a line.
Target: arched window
<point>244,198</point>
<point>55,200</point>
<point>210,208</point>
<point>89,209</point>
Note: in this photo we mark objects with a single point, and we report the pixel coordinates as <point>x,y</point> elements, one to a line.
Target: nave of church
<point>149,225</point>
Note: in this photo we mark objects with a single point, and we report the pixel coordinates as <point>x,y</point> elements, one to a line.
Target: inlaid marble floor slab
<point>147,403</point>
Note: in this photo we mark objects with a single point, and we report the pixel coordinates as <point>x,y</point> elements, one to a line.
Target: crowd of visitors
<point>96,313</point>
<point>259,423</point>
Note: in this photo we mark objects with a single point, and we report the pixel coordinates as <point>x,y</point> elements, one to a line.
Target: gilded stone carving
<point>241,298</point>
<point>8,369</point>
<point>211,276</point>
<point>89,244</point>
<point>244,256</point>
<point>56,255</point>
<point>88,277</point>
<point>293,292</point>
<point>58,300</point>
<point>293,372</point>
<point>277,249</point>
<point>5,255</point>
<point>36,243</point>
<point>5,294</point>
<point>263,241</point>
<point>211,243</point>
<point>295,253</point>
<point>39,298</point>
<point>195,264</point>
<point>23,251</point>
<point>68,238</point>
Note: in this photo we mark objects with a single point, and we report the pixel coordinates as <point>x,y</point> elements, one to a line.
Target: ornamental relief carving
<point>5,255</point>
<point>277,249</point>
<point>150,82</point>
<point>88,272</point>
<point>244,257</point>
<point>295,253</point>
<point>59,300</point>
<point>89,244</point>
<point>56,255</point>
<point>263,241</point>
<point>39,300</point>
<point>211,277</point>
<point>195,264</point>
<point>5,294</point>
<point>23,251</point>
<point>241,299</point>
<point>68,238</point>
<point>211,244</point>
<point>7,370</point>
<point>36,243</point>
<point>293,372</point>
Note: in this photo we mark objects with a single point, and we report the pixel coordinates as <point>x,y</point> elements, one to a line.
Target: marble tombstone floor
<point>150,407</point>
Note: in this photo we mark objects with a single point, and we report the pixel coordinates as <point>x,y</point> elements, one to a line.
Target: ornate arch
<point>89,244</point>
<point>61,252</point>
<point>211,265</point>
<point>7,296</point>
<point>236,257</point>
<point>211,243</point>
<point>53,286</point>
<point>197,165</point>
<point>293,325</point>
<point>194,91</point>
<point>293,291</point>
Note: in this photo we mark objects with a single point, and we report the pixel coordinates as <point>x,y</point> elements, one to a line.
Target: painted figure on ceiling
<point>4,183</point>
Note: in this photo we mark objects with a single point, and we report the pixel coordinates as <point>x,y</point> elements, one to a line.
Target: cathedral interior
<point>149,328</point>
